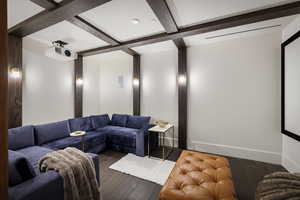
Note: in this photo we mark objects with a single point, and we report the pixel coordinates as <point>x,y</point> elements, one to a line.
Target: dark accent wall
<point>136,88</point>
<point>3,102</point>
<point>14,84</point>
<point>182,98</point>
<point>78,89</point>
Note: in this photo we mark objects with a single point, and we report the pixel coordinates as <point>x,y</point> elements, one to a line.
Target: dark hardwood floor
<point>118,186</point>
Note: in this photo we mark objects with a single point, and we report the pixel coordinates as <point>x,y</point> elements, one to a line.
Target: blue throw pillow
<point>119,120</point>
<point>19,168</point>
<point>100,121</point>
<point>50,132</point>
<point>137,122</point>
<point>81,124</point>
<point>20,137</point>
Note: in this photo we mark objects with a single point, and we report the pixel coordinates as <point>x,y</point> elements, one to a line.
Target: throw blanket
<point>279,186</point>
<point>77,170</point>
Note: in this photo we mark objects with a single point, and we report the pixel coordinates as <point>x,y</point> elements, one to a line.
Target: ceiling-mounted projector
<point>59,52</point>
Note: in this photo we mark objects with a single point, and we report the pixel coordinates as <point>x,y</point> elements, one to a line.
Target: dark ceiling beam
<point>83,24</point>
<point>50,17</point>
<point>228,22</point>
<point>164,15</point>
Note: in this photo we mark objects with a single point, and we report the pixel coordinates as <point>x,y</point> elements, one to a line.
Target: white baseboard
<point>290,165</point>
<point>238,152</point>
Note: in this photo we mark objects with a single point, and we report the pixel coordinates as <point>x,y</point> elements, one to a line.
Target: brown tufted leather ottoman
<point>198,176</point>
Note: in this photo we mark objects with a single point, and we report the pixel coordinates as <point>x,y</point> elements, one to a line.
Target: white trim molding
<point>290,165</point>
<point>235,151</point>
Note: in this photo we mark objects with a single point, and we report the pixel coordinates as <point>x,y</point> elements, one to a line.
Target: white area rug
<point>150,169</point>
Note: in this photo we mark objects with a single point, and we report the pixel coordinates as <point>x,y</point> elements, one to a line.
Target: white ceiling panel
<point>188,12</point>
<point>156,47</point>
<point>19,10</point>
<point>77,38</point>
<point>115,19</point>
<point>239,31</point>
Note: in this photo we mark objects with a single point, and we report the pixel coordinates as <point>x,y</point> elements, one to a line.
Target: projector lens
<point>67,53</point>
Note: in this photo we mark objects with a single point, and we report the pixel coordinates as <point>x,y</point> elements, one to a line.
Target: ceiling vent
<point>59,52</point>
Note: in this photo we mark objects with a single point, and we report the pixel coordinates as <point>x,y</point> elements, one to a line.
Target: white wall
<point>159,97</point>
<point>91,87</point>
<point>103,94</point>
<point>47,86</point>
<point>291,147</point>
<point>234,98</point>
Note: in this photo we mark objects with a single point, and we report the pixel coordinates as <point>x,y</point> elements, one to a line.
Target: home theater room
<point>150,100</point>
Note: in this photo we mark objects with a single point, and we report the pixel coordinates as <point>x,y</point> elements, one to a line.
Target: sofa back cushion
<point>137,122</point>
<point>119,120</point>
<point>19,168</point>
<point>81,124</point>
<point>100,121</point>
<point>49,132</point>
<point>20,137</point>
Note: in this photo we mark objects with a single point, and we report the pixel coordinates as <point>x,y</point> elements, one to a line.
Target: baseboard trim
<point>238,152</point>
<point>290,165</point>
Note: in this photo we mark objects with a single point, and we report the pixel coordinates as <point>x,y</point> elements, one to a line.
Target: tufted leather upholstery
<point>198,176</point>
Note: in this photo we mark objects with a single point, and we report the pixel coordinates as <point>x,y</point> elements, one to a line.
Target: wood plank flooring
<point>118,186</point>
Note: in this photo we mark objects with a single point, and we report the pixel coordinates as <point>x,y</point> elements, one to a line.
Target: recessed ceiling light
<point>154,20</point>
<point>135,21</point>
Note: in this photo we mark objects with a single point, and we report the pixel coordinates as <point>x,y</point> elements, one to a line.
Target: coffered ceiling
<point>115,18</point>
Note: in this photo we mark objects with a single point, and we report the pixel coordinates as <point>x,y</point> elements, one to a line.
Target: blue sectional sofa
<point>28,144</point>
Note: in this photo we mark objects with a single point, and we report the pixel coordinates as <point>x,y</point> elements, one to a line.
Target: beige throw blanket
<point>77,170</point>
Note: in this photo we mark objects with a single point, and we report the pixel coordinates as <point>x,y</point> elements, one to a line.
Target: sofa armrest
<point>45,186</point>
<point>140,140</point>
<point>95,158</point>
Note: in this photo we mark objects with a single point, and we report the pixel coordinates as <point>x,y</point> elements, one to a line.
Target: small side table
<point>161,134</point>
<point>79,134</point>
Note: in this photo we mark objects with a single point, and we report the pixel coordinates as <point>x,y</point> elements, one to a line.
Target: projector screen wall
<point>291,87</point>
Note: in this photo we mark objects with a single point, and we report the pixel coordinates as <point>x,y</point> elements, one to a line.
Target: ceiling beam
<point>83,24</point>
<point>228,22</point>
<point>164,15</point>
<point>50,17</point>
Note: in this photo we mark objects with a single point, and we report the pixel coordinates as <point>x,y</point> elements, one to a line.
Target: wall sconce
<point>136,82</point>
<point>15,72</point>
<point>181,79</point>
<point>79,81</point>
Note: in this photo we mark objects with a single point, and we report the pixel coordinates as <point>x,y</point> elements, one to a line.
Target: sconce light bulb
<point>15,73</point>
<point>136,82</point>
<point>79,81</point>
<point>182,79</point>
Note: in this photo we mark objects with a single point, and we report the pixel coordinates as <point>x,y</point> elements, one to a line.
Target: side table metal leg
<point>163,146</point>
<point>149,145</point>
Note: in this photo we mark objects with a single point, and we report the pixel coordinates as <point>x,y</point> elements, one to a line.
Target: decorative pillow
<point>19,168</point>
<point>137,122</point>
<point>100,121</point>
<point>119,120</point>
<point>49,132</point>
<point>20,137</point>
<point>81,124</point>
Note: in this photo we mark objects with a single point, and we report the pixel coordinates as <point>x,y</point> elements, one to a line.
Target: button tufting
<point>209,179</point>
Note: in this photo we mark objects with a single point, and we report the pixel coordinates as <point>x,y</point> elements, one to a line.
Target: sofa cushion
<point>63,143</point>
<point>34,154</point>
<point>53,131</point>
<point>119,120</point>
<point>19,168</point>
<point>137,122</point>
<point>100,121</point>
<point>91,139</point>
<point>121,135</point>
<point>81,124</point>
<point>20,137</point>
